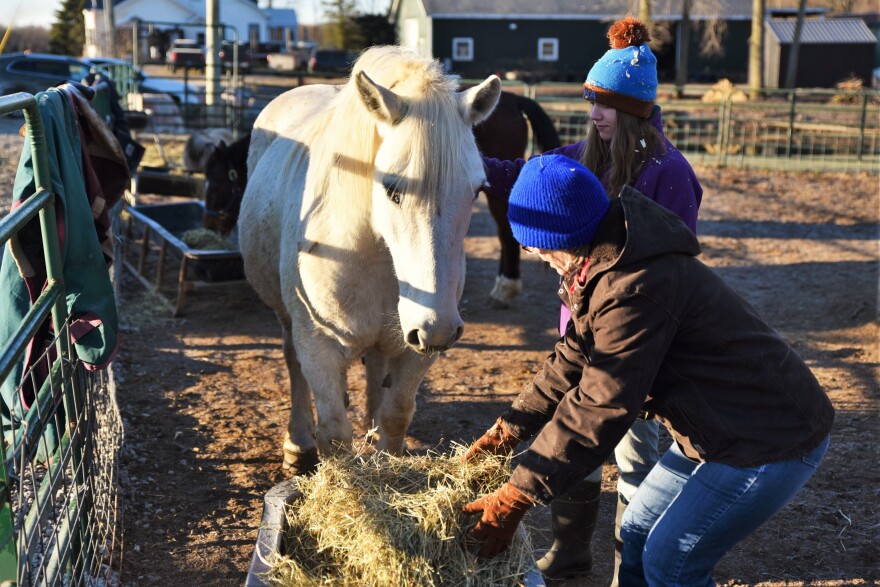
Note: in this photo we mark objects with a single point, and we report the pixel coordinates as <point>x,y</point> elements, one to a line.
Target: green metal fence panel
<point>59,463</point>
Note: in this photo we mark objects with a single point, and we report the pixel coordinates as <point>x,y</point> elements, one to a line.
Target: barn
<point>831,50</point>
<point>534,41</point>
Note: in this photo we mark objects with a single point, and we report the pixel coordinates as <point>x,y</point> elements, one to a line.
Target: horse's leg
<point>398,398</point>
<point>325,365</point>
<point>376,368</point>
<point>300,451</point>
<point>508,283</point>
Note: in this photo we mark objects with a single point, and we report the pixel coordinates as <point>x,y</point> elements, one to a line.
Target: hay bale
<point>724,90</point>
<point>848,90</point>
<point>385,520</point>
<point>205,239</point>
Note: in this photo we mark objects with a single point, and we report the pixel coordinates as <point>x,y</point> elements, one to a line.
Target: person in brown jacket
<point>656,334</point>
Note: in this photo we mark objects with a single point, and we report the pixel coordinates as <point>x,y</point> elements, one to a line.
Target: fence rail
<point>59,454</point>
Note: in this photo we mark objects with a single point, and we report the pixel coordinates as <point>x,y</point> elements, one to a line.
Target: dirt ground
<point>204,399</point>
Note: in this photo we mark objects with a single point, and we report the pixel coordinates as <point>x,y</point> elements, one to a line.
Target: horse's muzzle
<point>420,341</point>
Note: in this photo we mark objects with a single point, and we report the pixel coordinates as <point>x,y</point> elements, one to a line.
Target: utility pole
<point>212,43</point>
<point>110,31</point>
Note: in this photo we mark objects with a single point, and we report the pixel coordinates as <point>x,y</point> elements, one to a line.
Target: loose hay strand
<point>379,519</point>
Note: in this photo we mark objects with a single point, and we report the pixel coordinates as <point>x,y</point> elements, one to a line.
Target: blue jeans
<point>687,515</point>
<point>635,455</point>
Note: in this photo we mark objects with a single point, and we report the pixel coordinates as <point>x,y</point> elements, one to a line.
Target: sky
<point>42,12</point>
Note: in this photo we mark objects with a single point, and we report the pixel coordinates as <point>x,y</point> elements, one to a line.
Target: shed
<point>560,39</point>
<point>831,50</point>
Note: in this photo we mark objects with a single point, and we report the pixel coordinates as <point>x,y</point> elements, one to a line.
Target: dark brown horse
<point>225,180</point>
<point>505,135</point>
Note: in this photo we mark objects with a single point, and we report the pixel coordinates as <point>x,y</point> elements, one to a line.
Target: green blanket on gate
<point>89,293</point>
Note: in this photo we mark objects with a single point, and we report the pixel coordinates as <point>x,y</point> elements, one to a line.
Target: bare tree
<point>791,72</point>
<point>756,48</point>
<point>27,38</point>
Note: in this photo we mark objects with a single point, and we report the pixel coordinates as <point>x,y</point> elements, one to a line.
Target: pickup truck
<point>288,61</point>
<point>295,58</point>
<point>185,53</point>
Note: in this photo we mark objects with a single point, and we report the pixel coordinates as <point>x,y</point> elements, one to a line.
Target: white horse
<point>352,230</point>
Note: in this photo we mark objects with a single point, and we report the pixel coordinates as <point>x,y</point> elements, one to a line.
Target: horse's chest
<point>358,296</point>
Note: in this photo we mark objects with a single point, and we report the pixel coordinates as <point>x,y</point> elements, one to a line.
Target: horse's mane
<point>342,140</point>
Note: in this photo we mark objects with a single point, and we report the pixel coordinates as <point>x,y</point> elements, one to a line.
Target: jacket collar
<point>635,228</point>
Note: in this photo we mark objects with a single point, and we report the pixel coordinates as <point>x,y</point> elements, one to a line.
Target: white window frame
<point>542,41</point>
<point>469,42</point>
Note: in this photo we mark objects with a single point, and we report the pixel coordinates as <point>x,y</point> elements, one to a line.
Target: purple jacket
<point>667,179</point>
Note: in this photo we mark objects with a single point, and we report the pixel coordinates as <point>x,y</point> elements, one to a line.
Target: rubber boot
<point>618,543</point>
<point>573,519</point>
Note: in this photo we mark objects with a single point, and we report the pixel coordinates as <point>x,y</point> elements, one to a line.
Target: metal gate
<point>59,499</point>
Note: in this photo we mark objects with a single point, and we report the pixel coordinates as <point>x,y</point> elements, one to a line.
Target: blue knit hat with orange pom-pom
<point>625,78</point>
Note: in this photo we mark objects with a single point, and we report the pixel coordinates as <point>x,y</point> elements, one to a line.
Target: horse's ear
<point>477,103</point>
<point>381,102</point>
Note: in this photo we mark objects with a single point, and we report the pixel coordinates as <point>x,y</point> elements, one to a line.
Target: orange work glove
<point>501,514</point>
<point>497,440</point>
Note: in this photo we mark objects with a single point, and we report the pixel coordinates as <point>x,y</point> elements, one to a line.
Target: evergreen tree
<point>68,33</point>
<point>341,31</point>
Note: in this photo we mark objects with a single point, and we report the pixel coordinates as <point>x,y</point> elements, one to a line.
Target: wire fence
<point>802,129</point>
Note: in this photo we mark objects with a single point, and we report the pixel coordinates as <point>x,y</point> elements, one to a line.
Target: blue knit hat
<point>556,203</point>
<point>625,78</point>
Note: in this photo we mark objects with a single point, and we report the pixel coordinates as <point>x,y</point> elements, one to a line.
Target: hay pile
<point>384,520</point>
<point>722,91</point>
<point>205,239</point>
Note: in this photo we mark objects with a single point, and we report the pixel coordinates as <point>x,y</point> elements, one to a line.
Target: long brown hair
<point>620,162</point>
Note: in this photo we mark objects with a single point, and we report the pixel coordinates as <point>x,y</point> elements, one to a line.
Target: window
<point>462,49</point>
<point>78,72</point>
<point>548,49</point>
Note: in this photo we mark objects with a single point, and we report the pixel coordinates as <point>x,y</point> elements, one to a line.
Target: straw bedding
<point>383,520</point>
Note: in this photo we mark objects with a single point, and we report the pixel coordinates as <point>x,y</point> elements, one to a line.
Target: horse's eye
<point>393,194</point>
<point>233,175</point>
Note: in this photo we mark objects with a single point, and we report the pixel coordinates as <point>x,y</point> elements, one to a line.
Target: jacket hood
<point>637,228</point>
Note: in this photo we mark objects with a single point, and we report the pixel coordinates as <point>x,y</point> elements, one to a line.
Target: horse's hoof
<point>300,463</point>
<point>496,304</point>
<point>504,290</point>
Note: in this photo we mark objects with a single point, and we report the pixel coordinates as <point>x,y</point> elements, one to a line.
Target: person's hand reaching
<point>498,440</point>
<point>501,512</point>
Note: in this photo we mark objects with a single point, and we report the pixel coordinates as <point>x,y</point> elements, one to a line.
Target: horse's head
<point>225,179</point>
<point>427,172</point>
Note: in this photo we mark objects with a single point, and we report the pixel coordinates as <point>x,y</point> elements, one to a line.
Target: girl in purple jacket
<point>625,146</point>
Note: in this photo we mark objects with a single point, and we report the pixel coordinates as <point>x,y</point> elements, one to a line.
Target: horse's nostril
<point>412,338</point>
<point>458,332</point>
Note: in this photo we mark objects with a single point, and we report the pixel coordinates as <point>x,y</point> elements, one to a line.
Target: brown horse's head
<point>225,180</point>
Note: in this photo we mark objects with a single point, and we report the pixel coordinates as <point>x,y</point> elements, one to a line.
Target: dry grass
<point>378,519</point>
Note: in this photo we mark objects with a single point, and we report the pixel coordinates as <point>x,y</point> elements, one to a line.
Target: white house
<point>242,19</point>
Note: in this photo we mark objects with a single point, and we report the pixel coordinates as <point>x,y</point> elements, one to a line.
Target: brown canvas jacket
<point>655,330</point>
